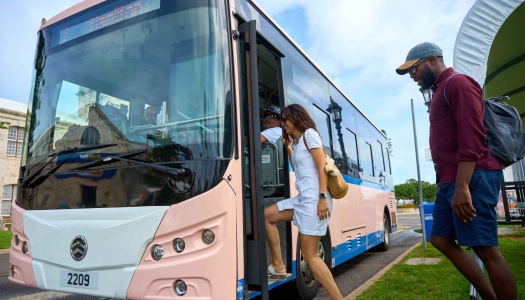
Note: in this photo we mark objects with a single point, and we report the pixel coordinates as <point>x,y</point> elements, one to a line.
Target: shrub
<point>409,205</point>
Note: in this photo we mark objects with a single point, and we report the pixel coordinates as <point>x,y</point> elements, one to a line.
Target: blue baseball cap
<point>419,51</point>
<point>273,109</point>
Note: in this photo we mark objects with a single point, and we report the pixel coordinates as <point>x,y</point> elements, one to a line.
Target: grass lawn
<point>5,239</point>
<point>442,281</point>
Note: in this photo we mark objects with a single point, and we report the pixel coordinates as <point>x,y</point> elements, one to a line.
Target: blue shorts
<point>483,229</point>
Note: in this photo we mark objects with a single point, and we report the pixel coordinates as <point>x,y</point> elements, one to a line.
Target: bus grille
<point>357,239</point>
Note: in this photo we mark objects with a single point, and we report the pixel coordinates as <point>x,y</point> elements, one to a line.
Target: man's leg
<point>501,276</point>
<point>465,264</point>
<point>443,237</point>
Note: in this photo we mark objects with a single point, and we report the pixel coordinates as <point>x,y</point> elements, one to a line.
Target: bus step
<point>271,282</point>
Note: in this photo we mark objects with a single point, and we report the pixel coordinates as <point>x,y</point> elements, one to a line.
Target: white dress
<point>307,183</point>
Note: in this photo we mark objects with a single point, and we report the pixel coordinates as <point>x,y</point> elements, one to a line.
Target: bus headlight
<point>179,245</point>
<point>208,237</point>
<point>180,288</point>
<point>25,248</point>
<point>157,252</point>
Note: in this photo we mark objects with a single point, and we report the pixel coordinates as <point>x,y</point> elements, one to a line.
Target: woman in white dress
<point>310,210</point>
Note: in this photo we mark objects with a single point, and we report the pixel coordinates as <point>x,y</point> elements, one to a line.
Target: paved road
<point>348,276</point>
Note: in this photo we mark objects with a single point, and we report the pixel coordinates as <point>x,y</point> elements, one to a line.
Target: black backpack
<point>502,122</point>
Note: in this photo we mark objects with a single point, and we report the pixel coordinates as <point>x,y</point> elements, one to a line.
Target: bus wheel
<point>306,283</point>
<point>386,235</point>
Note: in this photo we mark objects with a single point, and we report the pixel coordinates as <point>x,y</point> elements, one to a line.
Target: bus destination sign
<point>101,19</point>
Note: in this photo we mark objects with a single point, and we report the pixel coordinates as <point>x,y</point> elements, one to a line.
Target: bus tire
<point>386,235</point>
<point>306,283</point>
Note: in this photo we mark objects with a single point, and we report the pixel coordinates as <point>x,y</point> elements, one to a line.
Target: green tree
<point>405,191</point>
<point>410,190</point>
<point>429,191</point>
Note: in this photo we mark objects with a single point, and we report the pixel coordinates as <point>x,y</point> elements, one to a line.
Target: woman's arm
<point>288,146</point>
<point>323,210</point>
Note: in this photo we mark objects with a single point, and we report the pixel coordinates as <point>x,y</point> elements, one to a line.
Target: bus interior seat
<point>272,174</point>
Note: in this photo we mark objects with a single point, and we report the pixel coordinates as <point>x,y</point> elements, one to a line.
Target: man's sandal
<point>272,273</point>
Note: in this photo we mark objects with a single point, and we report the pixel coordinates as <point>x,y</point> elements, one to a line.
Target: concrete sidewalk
<point>510,230</point>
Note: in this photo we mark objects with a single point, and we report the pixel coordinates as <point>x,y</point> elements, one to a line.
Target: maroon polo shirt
<point>458,133</point>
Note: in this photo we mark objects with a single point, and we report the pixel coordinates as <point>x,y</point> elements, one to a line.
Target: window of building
<point>8,195</point>
<point>15,140</point>
<point>90,137</point>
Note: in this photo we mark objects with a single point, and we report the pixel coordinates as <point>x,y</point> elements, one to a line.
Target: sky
<point>357,43</point>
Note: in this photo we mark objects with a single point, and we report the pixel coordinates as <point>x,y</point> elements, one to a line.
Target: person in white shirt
<point>272,125</point>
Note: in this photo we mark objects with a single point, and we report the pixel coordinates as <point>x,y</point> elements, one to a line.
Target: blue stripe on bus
<point>240,289</point>
<point>354,247</point>
<point>357,181</point>
<point>340,254</point>
<point>254,294</point>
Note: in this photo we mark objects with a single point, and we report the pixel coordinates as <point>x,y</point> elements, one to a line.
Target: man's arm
<point>462,200</point>
<point>263,139</point>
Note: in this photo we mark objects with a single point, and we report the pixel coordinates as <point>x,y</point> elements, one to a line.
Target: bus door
<point>264,171</point>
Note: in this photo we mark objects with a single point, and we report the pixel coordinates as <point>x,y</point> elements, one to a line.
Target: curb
<point>371,281</point>
<point>4,251</point>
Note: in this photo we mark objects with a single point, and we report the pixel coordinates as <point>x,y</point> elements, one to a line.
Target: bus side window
<point>322,121</point>
<point>350,150</point>
<point>379,162</point>
<point>365,157</point>
<point>386,157</point>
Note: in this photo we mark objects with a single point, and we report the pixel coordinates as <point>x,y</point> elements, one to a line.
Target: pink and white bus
<point>143,175</point>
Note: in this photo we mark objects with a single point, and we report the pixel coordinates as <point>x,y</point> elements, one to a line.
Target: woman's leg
<point>271,216</point>
<point>309,245</point>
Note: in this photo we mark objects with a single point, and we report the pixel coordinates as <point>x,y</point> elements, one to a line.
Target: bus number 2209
<point>78,279</point>
<point>85,280</point>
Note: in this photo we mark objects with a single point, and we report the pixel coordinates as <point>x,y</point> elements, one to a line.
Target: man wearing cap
<point>469,177</point>
<point>272,125</point>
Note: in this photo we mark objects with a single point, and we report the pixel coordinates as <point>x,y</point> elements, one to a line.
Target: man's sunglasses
<point>270,117</point>
<point>413,69</point>
<point>151,115</point>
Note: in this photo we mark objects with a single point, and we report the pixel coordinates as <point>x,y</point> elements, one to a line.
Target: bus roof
<point>85,4</point>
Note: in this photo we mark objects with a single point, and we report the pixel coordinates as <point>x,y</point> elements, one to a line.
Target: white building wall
<point>14,113</point>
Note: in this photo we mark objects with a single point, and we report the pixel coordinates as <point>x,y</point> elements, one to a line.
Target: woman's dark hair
<point>300,117</point>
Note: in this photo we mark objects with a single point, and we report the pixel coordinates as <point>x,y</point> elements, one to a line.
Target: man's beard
<point>428,79</point>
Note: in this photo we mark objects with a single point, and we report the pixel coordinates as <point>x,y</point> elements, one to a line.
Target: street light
<point>335,109</point>
<point>421,214</point>
<point>427,97</point>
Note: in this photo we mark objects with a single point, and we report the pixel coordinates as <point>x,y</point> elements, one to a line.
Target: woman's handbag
<point>336,183</point>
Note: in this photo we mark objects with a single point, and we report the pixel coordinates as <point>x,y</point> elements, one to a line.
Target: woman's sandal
<point>272,273</point>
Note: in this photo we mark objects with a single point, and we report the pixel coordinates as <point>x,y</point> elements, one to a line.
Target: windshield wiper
<point>27,182</point>
<point>105,160</point>
<point>124,157</point>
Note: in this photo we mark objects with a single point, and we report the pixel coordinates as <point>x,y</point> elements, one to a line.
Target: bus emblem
<point>78,248</point>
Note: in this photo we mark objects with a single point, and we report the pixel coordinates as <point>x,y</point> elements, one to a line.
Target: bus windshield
<point>145,75</point>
